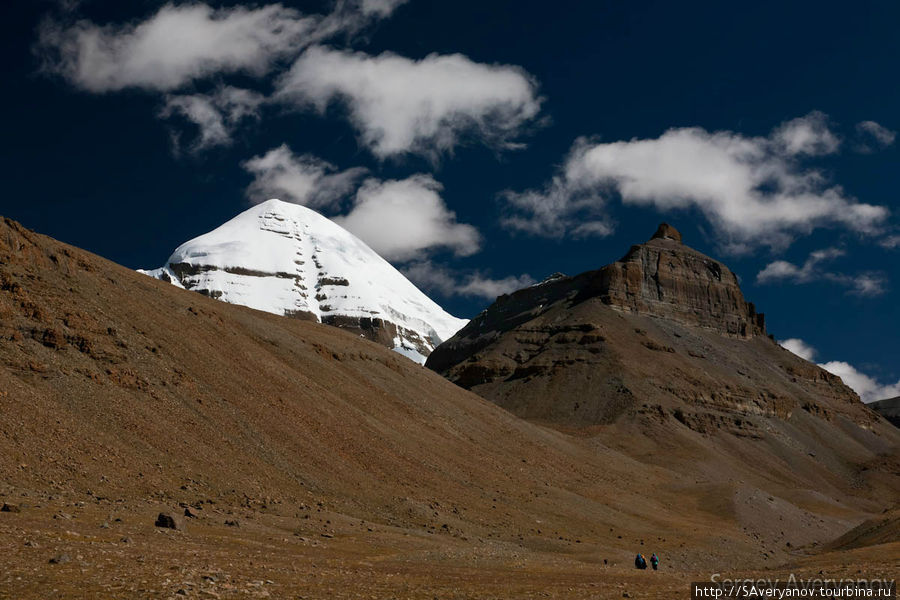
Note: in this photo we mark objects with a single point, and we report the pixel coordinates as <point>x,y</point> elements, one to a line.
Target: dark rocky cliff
<point>665,332</point>
<point>665,278</point>
<point>889,409</point>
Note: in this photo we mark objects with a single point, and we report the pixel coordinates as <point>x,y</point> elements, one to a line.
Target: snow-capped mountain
<point>289,260</point>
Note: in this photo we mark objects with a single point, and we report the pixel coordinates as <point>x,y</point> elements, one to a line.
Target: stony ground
<point>105,549</point>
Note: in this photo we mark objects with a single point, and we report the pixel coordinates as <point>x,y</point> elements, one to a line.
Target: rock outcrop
<point>665,278</point>
<point>663,333</point>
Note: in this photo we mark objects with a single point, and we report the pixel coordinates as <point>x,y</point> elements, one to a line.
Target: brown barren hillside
<point>659,356</point>
<point>318,464</point>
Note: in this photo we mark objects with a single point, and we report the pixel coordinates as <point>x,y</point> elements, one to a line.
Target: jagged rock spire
<point>666,232</point>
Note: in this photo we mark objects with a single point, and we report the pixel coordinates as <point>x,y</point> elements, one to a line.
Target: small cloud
<point>800,348</point>
<point>874,136</point>
<point>486,287</point>
<point>863,284</point>
<point>780,270</point>
<point>173,47</point>
<point>809,271</point>
<point>890,242</point>
<point>401,219</point>
<point>68,6</point>
<point>809,135</point>
<point>382,8</point>
<point>215,115</point>
<point>866,284</point>
<point>448,283</point>
<point>303,179</point>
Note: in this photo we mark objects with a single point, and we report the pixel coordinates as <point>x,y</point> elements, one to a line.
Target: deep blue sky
<point>97,170</point>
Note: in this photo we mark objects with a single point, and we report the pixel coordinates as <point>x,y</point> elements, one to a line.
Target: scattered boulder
<point>190,513</point>
<point>10,508</point>
<point>60,559</point>
<point>232,523</point>
<point>53,338</point>
<point>167,520</point>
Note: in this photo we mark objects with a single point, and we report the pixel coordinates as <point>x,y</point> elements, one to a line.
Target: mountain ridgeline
<point>889,409</point>
<point>665,330</point>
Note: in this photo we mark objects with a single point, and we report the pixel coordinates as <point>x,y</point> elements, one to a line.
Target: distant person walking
<point>654,561</point>
<point>640,562</point>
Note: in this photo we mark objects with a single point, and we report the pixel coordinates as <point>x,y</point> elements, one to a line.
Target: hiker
<point>640,562</point>
<point>654,561</point>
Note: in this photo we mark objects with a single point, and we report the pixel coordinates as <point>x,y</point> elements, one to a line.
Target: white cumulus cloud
<point>809,135</point>
<point>427,106</point>
<point>449,283</point>
<point>800,348</point>
<point>216,115</point>
<point>176,45</point>
<point>188,41</point>
<point>303,179</point>
<point>862,284</point>
<point>400,219</point>
<point>755,191</point>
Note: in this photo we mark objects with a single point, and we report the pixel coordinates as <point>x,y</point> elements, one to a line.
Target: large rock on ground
<point>169,520</point>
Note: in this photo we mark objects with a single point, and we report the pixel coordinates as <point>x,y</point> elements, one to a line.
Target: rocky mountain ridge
<point>665,330</point>
<point>889,409</point>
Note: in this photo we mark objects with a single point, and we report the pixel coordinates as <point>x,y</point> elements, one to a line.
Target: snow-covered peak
<point>289,260</point>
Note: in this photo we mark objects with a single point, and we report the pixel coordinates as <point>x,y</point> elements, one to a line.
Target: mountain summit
<point>665,278</point>
<point>664,332</point>
<point>289,260</point>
